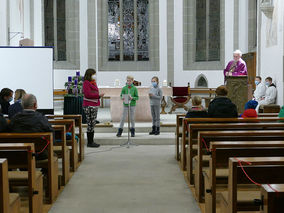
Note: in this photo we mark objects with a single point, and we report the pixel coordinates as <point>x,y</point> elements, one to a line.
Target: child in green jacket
<point>131,91</point>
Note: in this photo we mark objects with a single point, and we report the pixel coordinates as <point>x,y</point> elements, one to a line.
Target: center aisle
<point>143,179</point>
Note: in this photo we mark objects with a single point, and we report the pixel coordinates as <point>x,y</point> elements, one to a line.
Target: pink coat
<point>91,94</point>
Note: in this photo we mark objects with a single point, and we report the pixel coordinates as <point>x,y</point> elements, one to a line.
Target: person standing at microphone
<point>131,91</point>
<point>237,66</point>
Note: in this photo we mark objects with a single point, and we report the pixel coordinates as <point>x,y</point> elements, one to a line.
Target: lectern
<point>238,91</point>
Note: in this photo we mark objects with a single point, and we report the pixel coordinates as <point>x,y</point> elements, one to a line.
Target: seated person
<point>270,94</point>
<point>221,106</point>
<point>197,110</point>
<point>17,106</point>
<point>29,121</point>
<point>281,113</point>
<point>3,122</point>
<point>260,89</point>
<point>250,111</point>
<point>6,96</point>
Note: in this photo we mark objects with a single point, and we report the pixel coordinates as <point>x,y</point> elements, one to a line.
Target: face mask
<point>267,83</point>
<point>154,84</point>
<point>10,99</point>
<point>256,82</point>
<point>94,77</point>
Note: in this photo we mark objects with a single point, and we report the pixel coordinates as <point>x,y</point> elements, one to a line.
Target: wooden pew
<point>63,152</point>
<point>188,121</point>
<point>70,126</point>
<point>78,124</point>
<point>263,170</point>
<point>51,164</point>
<point>210,136</point>
<point>193,129</point>
<point>217,172</point>
<point>268,114</point>
<point>9,202</point>
<point>31,178</point>
<point>272,202</point>
<point>179,119</point>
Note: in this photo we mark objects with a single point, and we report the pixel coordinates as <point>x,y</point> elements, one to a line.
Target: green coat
<point>133,92</point>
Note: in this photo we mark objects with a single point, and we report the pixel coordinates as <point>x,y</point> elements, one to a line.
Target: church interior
<point>141,106</point>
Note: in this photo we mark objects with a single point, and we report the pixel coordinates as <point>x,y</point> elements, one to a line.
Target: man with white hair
<point>237,66</point>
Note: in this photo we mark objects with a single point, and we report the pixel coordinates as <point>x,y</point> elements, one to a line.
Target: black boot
<point>91,143</point>
<point>157,130</point>
<point>119,132</point>
<point>153,130</point>
<point>132,130</point>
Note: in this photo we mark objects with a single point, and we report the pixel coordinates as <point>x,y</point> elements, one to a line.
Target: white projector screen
<point>31,69</point>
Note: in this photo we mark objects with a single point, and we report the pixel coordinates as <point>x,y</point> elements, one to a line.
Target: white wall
<point>3,23</point>
<point>271,59</point>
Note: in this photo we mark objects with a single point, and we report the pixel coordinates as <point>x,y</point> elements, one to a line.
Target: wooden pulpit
<point>238,91</point>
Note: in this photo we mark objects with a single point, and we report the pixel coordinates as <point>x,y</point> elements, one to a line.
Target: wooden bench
<point>9,202</point>
<point>217,173</point>
<point>268,114</point>
<point>179,119</point>
<point>270,108</point>
<point>60,148</point>
<point>188,121</point>
<point>190,151</point>
<point>70,126</point>
<point>263,170</point>
<point>31,178</point>
<point>51,164</point>
<point>78,124</point>
<point>211,136</point>
<point>272,202</point>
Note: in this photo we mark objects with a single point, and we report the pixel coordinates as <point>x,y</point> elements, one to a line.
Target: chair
<point>136,83</point>
<point>180,98</point>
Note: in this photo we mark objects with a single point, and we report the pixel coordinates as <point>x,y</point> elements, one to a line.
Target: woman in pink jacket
<point>91,104</point>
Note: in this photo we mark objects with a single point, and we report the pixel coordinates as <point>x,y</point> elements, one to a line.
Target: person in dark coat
<point>6,96</point>
<point>221,106</point>
<point>17,106</point>
<point>197,110</point>
<point>29,121</point>
<point>3,122</point>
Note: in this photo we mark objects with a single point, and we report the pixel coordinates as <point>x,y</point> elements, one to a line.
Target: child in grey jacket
<point>155,95</point>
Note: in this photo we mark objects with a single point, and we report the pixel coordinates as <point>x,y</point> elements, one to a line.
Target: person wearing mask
<point>221,106</point>
<point>270,93</point>
<point>91,103</point>
<point>29,121</point>
<point>155,95</point>
<point>17,106</point>
<point>260,89</point>
<point>6,96</point>
<point>197,110</point>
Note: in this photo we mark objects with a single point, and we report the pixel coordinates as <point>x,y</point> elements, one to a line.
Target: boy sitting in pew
<point>30,121</point>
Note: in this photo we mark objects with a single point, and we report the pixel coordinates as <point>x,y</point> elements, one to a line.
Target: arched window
<point>201,82</point>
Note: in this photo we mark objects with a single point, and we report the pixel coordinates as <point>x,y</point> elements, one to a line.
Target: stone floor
<point>142,179</point>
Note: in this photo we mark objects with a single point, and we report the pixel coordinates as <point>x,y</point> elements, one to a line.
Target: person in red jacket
<point>91,104</point>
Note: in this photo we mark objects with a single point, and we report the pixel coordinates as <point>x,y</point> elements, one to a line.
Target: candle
<point>165,83</point>
<point>69,78</point>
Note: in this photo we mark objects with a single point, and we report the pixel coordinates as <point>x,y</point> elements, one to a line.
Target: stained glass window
<point>133,16</point>
<point>207,30</point>
<point>114,30</point>
<point>55,38</point>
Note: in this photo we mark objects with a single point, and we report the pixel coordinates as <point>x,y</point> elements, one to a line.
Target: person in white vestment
<point>260,89</point>
<point>270,94</point>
